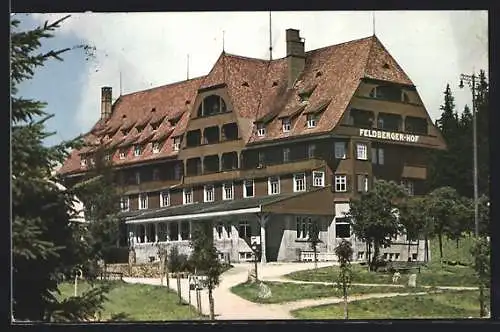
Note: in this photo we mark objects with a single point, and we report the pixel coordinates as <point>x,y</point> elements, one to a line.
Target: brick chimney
<point>295,55</point>
<point>106,101</point>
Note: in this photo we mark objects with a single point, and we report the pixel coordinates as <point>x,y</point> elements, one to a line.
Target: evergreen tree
<point>46,245</point>
<point>482,111</point>
<point>344,254</point>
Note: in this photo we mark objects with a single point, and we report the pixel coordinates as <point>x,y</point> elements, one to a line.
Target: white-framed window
<point>92,161</point>
<point>122,153</point>
<point>273,185</point>
<point>409,186</point>
<point>340,183</point>
<point>299,182</point>
<point>227,191</point>
<point>248,188</point>
<point>143,201</point>
<point>137,150</point>
<point>286,125</point>
<point>361,151</point>
<point>107,156</point>
<point>362,183</point>
<point>261,129</point>
<point>311,150</point>
<point>83,162</point>
<point>124,203</point>
<point>312,120</point>
<point>187,197</point>
<point>209,193</point>
<point>318,179</point>
<point>286,155</point>
<point>177,143</point>
<point>342,228</point>
<point>361,255</point>
<point>303,224</point>
<point>340,150</point>
<point>164,199</point>
<point>219,229</point>
<point>156,147</point>
<point>156,174</point>
<point>377,156</point>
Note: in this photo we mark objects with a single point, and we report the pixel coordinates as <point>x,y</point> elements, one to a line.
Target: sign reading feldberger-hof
<point>399,137</point>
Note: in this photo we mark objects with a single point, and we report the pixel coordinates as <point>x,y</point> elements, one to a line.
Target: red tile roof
<point>258,91</point>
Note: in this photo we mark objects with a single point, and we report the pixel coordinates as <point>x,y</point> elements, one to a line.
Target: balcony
<point>131,189</point>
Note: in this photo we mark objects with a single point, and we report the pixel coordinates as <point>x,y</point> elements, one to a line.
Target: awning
<point>240,206</point>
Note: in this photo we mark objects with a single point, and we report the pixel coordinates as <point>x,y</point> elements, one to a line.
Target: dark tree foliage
<point>481,253</point>
<point>46,242</point>
<point>344,254</point>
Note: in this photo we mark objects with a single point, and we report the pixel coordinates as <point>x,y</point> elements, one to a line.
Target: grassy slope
<point>287,292</point>
<point>456,304</point>
<point>139,302</point>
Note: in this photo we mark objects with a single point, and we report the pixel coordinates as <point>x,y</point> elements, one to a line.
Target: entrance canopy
<point>315,202</point>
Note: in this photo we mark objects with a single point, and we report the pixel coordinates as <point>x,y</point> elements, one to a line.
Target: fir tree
<point>46,244</point>
<point>482,111</point>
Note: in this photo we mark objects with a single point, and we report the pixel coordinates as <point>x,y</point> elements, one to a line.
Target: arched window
<point>212,104</point>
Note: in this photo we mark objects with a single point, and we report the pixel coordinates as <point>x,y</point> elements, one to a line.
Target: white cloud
<point>150,49</point>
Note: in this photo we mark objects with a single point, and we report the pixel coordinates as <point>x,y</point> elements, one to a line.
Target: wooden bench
<point>404,266</point>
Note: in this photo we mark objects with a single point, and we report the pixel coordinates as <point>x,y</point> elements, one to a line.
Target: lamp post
<point>471,81</point>
<point>255,249</point>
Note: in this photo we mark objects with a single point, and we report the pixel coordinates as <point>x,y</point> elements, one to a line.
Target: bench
<point>111,275</point>
<point>404,266</point>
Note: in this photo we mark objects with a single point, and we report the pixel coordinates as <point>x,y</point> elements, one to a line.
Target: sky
<point>151,49</point>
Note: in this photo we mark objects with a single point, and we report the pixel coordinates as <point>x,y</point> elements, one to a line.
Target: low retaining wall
<point>150,270</point>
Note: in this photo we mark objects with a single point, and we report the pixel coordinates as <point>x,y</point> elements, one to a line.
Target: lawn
<point>434,275</point>
<point>286,292</point>
<point>450,304</point>
<point>450,250</point>
<point>138,302</point>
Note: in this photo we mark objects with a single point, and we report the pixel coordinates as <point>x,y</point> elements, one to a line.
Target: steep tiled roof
<point>258,90</point>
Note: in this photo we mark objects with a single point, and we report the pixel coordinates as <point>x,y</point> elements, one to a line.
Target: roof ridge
<point>164,86</point>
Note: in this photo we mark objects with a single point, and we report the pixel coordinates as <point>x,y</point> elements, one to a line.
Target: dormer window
<point>286,125</point>
<point>156,147</point>
<point>312,120</point>
<point>155,126</point>
<point>125,131</point>
<point>137,150</point>
<point>212,105</point>
<point>83,162</point>
<point>261,130</point>
<point>177,143</point>
<point>92,161</point>
<point>107,156</point>
<point>123,153</point>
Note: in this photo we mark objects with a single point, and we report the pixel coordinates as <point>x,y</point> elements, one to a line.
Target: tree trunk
<point>211,303</point>
<point>457,242</point>
<point>376,251</point>
<point>315,257</point>
<point>418,246</point>
<point>426,246</point>
<point>440,238</point>
<point>179,287</point>
<point>346,312</point>
<point>482,311</point>
<point>409,243</point>
<point>369,252</point>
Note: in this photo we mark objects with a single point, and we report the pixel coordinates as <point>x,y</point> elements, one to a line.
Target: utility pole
<point>471,81</point>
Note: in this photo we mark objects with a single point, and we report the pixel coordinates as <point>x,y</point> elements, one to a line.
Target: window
<point>362,183</point>
<point>137,177</point>
<point>396,256</point>
<point>123,153</point>
<point>185,230</point>
<point>209,193</point>
<point>361,151</point>
<point>286,125</point>
<point>227,191</point>
<point>137,150</point>
<point>173,231</point>
<point>177,143</point>
<point>312,120</point>
<point>299,182</point>
<point>83,162</point>
<point>318,179</point>
<point>156,147</point>
<point>273,185</point>
<point>392,93</point>
<point>143,201</point>
<point>156,174</point>
<point>311,150</point>
<point>107,156</point>
<point>212,105</point>
<point>261,130</point>
<point>409,186</point>
<point>124,203</point>
<point>377,156</point>
<point>244,230</point>
<point>342,228</point>
<point>177,171</point>
<point>303,227</point>
<point>361,255</point>
<point>340,183</point>
<point>248,188</point>
<point>92,161</point>
<point>340,150</point>
<point>286,155</point>
<point>188,196</point>
<point>262,158</point>
<point>164,199</point>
